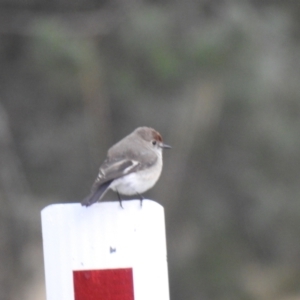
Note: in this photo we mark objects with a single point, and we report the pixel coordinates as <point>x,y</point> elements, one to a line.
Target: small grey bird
<point>133,166</point>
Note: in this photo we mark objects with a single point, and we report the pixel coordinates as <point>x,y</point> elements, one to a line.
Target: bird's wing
<point>111,170</point>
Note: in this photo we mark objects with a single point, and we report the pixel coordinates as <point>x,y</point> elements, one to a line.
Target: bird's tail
<point>96,194</point>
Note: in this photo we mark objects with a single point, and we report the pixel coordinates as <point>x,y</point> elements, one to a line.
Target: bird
<point>132,166</point>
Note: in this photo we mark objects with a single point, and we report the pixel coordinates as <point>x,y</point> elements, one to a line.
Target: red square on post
<point>108,284</point>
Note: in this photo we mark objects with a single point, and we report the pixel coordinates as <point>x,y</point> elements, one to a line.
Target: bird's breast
<point>137,182</point>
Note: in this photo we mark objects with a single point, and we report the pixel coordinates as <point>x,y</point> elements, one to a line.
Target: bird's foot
<point>120,199</point>
<point>141,198</point>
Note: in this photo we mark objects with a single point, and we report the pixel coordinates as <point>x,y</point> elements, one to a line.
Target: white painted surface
<point>81,238</point>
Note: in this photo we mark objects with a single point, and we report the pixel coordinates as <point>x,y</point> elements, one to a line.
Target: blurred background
<point>219,79</point>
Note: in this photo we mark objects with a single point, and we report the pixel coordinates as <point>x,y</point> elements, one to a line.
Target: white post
<point>104,252</point>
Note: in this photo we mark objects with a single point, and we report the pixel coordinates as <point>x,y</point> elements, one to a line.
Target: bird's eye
<point>154,142</point>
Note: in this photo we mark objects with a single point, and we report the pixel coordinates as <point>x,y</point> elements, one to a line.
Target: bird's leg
<point>120,199</point>
<point>141,198</point>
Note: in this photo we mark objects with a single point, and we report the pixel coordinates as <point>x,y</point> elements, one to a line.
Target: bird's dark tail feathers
<point>96,195</point>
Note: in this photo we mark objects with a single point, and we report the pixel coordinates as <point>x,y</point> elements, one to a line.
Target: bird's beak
<point>165,146</point>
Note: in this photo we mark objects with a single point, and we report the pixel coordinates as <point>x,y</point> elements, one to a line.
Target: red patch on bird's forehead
<point>156,136</point>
